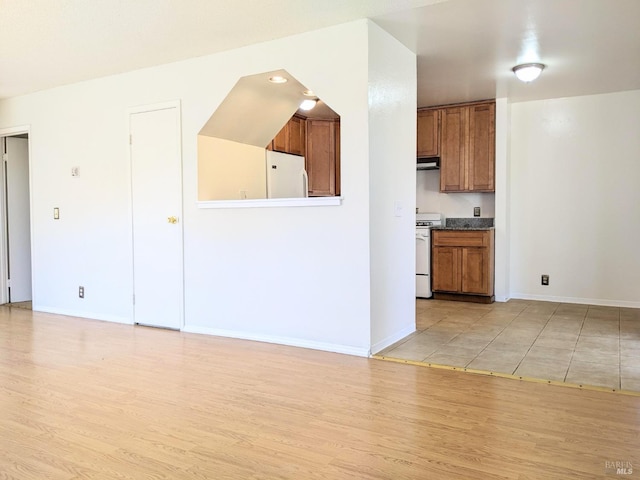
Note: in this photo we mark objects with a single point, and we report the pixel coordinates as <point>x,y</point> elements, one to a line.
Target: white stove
<point>424,223</point>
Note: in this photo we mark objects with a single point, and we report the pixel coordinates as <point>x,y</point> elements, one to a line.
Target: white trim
<point>177,104</point>
<point>152,107</point>
<point>272,202</point>
<point>82,314</point>
<point>502,299</point>
<point>293,342</point>
<point>11,131</point>
<point>390,340</point>
<point>4,240</point>
<point>584,301</point>
<point>502,220</point>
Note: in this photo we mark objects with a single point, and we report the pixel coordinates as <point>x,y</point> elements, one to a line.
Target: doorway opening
<point>15,218</point>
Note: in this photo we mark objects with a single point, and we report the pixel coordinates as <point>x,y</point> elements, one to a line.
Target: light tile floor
<point>580,344</point>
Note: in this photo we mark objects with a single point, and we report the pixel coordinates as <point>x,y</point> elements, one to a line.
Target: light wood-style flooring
<point>82,399</point>
<point>576,344</point>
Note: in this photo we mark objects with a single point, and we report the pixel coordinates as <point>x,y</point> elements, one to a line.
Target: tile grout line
<point>534,340</point>
<point>496,336</point>
<point>573,352</point>
<point>458,334</point>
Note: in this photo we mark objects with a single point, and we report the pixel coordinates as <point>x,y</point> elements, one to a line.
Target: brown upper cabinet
<point>482,141</point>
<point>323,157</point>
<point>318,140</point>
<point>463,136</point>
<point>467,152</point>
<point>428,133</point>
<point>292,137</point>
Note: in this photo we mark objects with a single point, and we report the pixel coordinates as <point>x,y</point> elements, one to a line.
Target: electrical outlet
<point>545,280</point>
<point>476,211</point>
<point>81,292</point>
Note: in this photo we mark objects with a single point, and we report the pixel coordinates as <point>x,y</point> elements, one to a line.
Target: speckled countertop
<point>463,228</point>
<point>475,223</point>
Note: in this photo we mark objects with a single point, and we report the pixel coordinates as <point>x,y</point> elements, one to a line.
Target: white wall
<point>502,220</point>
<point>575,199</point>
<point>429,199</point>
<point>226,168</point>
<point>292,275</point>
<point>392,145</point>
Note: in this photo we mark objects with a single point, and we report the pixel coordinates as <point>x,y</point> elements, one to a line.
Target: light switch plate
<point>398,209</point>
<point>56,213</point>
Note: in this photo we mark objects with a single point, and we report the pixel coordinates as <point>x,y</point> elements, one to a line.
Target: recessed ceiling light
<point>309,93</point>
<point>528,72</point>
<point>308,104</point>
<point>277,79</point>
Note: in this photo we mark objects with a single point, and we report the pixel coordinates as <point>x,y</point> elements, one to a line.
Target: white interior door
<point>18,219</point>
<point>157,224</point>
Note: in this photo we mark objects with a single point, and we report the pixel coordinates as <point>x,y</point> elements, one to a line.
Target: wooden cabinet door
<point>462,261</point>
<point>445,269</point>
<point>280,143</point>
<point>453,149</point>
<point>475,271</point>
<point>428,130</point>
<point>337,156</point>
<point>291,139</point>
<point>297,136</point>
<point>482,148</point>
<point>321,157</point>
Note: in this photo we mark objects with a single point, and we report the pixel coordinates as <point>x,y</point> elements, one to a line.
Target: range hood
<point>429,163</point>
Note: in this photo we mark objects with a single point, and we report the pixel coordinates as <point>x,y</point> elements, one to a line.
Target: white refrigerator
<point>286,176</point>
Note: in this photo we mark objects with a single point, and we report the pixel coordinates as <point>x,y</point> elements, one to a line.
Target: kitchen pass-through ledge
<point>272,202</point>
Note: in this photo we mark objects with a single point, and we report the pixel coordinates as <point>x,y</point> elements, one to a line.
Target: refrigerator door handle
<point>305,183</point>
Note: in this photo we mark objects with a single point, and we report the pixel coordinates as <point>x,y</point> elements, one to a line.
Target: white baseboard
<point>583,301</point>
<point>391,339</point>
<point>82,314</point>
<point>293,342</point>
<point>502,299</point>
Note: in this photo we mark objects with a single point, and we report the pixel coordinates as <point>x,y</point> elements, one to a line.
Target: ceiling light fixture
<point>308,104</point>
<point>309,93</point>
<point>528,72</point>
<point>277,79</point>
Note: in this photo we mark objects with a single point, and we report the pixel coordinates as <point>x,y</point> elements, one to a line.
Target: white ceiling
<point>465,48</point>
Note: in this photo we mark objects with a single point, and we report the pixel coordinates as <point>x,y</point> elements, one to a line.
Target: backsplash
<point>429,198</point>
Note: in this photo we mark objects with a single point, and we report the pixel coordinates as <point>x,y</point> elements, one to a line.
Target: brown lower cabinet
<point>462,265</point>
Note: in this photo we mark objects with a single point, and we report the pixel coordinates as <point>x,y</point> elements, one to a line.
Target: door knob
<point>172,219</point>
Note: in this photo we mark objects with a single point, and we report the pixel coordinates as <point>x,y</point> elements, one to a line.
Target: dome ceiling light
<point>528,72</point>
<point>308,104</point>
<point>278,79</point>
